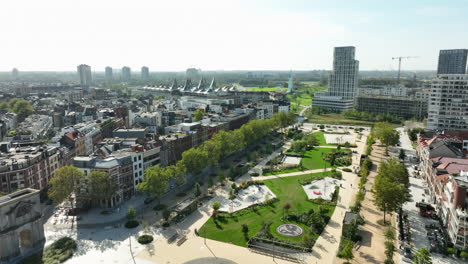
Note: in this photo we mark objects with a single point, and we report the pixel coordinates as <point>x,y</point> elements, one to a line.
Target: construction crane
<point>399,64</point>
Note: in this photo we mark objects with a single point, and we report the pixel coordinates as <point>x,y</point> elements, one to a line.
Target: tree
<point>197,190</point>
<point>21,107</point>
<point>197,115</point>
<point>215,206</point>
<point>232,195</point>
<point>166,214</point>
<point>386,134</point>
<point>131,213</point>
<point>155,182</point>
<point>195,160</point>
<point>394,170</point>
<point>176,172</point>
<point>66,181</point>
<point>388,195</point>
<point>221,178</point>
<point>101,185</point>
<point>422,256</point>
<point>245,230</point>
<point>286,208</point>
<point>402,154</point>
<point>347,251</point>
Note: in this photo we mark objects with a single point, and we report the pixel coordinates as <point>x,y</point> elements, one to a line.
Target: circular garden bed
<point>145,239</point>
<point>289,230</point>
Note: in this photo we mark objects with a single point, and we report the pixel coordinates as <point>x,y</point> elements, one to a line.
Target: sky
<point>172,35</point>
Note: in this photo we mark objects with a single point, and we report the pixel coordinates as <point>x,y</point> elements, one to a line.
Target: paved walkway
<point>326,246</point>
<point>371,249</point>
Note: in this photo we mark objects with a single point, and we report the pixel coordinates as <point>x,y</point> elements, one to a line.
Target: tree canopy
<point>390,186</point>
<point>386,134</point>
<point>21,107</point>
<point>66,181</point>
<point>197,115</point>
<point>101,185</point>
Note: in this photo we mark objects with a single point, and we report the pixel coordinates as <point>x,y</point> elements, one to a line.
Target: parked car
<point>149,200</point>
<point>407,253</point>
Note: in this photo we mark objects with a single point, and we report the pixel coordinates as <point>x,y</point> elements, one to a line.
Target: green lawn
<point>263,89</point>
<point>337,119</point>
<point>287,190</point>
<point>321,139</point>
<point>312,159</point>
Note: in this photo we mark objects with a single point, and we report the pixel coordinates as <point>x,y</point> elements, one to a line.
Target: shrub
<point>347,169</point>
<point>389,261</point>
<point>131,213</point>
<point>389,249</point>
<point>58,252</point>
<point>389,233</point>
<point>131,224</point>
<point>308,241</point>
<point>254,174</point>
<point>464,254</point>
<point>160,207</point>
<point>145,239</point>
<point>166,224</point>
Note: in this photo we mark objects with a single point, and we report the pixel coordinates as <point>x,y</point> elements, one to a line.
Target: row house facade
<point>28,166</point>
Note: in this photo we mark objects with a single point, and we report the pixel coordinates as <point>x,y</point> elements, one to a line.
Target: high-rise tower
<point>109,74</point>
<point>291,83</point>
<point>452,61</point>
<point>342,83</point>
<point>84,73</point>
<point>126,74</point>
<point>144,73</point>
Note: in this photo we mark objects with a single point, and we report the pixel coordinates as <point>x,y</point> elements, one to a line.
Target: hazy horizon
<point>167,36</point>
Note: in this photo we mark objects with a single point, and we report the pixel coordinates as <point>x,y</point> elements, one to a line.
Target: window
<point>139,157</point>
<point>134,159</point>
<point>141,173</point>
<point>139,165</point>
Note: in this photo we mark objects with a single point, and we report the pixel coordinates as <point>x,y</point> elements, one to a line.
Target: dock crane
<point>399,64</point>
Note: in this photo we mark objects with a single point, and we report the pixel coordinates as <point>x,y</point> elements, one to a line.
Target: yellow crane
<point>399,64</point>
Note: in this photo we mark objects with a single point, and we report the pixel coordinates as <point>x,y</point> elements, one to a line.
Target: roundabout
<point>289,230</point>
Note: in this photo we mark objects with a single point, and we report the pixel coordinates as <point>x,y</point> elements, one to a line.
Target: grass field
<point>287,190</point>
<point>311,160</point>
<point>336,119</point>
<point>263,89</point>
<point>321,139</point>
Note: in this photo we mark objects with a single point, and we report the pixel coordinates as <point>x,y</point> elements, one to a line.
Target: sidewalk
<point>326,246</point>
<point>371,248</point>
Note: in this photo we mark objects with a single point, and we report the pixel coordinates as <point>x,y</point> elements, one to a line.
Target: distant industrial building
<point>109,74</point>
<point>406,107</point>
<point>126,74</point>
<point>84,73</point>
<point>452,61</point>
<point>448,101</point>
<point>14,73</point>
<point>342,83</point>
<point>144,73</point>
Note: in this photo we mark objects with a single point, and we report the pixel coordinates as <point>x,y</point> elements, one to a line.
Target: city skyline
<point>245,36</point>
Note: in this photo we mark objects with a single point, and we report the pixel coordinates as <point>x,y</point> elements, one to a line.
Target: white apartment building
<point>342,83</point>
<point>448,102</point>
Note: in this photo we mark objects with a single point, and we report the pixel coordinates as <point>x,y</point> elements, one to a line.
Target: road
<point>417,223</point>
